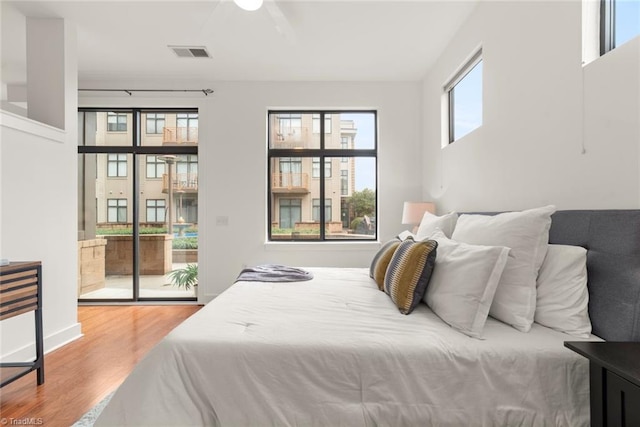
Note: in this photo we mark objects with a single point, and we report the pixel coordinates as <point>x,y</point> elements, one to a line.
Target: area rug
<point>92,414</point>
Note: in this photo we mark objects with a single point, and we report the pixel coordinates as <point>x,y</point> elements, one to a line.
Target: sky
<point>365,138</point>
<point>627,20</point>
<point>468,102</point>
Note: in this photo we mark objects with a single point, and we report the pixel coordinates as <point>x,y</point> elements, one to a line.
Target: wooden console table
<point>21,292</point>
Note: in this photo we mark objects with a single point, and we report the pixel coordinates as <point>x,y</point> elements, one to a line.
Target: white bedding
<point>335,351</point>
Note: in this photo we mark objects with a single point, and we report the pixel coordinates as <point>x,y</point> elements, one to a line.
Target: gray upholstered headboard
<point>612,239</point>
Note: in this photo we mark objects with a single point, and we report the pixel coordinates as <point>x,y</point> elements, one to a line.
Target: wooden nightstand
<point>21,292</point>
<point>614,379</point>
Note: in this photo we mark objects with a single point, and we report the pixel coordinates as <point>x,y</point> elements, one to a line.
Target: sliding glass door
<point>138,204</point>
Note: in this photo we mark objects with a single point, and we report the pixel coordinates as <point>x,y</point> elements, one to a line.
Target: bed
<point>335,351</point>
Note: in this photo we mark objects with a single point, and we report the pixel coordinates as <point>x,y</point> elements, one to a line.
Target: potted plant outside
<point>184,277</point>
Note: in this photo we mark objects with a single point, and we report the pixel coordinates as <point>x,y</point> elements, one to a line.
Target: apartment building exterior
<point>115,173</point>
<point>295,180</point>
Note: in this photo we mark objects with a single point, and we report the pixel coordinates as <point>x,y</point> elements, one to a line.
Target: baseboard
<point>51,342</point>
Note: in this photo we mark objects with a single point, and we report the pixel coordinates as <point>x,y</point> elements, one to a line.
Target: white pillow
<point>527,234</point>
<point>563,297</point>
<point>463,283</point>
<point>431,222</point>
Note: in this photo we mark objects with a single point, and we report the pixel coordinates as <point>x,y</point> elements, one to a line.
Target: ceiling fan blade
<point>281,22</point>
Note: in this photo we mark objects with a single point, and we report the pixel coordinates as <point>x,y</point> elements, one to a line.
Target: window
<point>305,198</point>
<point>116,122</point>
<point>316,210</point>
<point>187,127</point>
<point>290,174</point>
<point>290,212</point>
<point>344,144</point>
<point>155,210</point>
<point>142,186</point>
<point>464,96</point>
<point>619,23</point>
<point>316,123</point>
<point>187,120</point>
<point>155,167</point>
<point>187,171</point>
<point>344,182</point>
<point>116,210</point>
<point>155,123</point>
<point>117,165</point>
<point>316,168</point>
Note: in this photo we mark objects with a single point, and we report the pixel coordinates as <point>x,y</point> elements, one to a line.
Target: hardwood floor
<point>80,374</point>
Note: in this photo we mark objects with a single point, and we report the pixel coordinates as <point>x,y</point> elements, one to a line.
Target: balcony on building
<point>294,137</point>
<point>185,182</point>
<point>179,136</point>
<point>290,183</point>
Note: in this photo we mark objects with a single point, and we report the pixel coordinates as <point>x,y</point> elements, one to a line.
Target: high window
<point>464,98</point>
<point>305,196</point>
<point>116,122</point>
<point>619,23</point>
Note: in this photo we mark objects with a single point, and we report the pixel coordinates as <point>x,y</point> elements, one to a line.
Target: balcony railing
<point>179,135</point>
<point>290,183</point>
<point>187,182</point>
<point>292,137</point>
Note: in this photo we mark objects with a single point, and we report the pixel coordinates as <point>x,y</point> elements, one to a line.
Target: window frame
<point>120,163</point>
<point>315,168</point>
<point>156,164</point>
<point>468,66</point>
<point>315,209</point>
<point>608,27</point>
<point>344,182</point>
<point>153,118</point>
<point>323,154</point>
<point>118,207</point>
<point>118,115</point>
<point>315,123</point>
<point>136,148</point>
<point>155,207</point>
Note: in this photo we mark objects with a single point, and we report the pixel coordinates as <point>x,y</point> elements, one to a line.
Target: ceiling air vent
<point>190,51</point>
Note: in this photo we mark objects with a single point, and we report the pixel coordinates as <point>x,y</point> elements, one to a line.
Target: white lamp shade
<point>249,4</point>
<point>413,212</point>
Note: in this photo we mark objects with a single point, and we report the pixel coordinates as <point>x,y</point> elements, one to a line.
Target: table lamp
<point>413,212</point>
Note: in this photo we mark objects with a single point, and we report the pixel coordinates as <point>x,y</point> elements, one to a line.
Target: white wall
<point>232,169</point>
<point>38,196</point>
<point>529,150</point>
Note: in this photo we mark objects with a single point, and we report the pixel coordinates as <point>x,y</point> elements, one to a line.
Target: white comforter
<point>334,351</point>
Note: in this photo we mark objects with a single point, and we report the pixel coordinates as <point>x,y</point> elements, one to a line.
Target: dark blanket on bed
<point>273,273</point>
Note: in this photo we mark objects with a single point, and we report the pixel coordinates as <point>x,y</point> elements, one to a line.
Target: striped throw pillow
<point>409,273</point>
<point>381,261</point>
